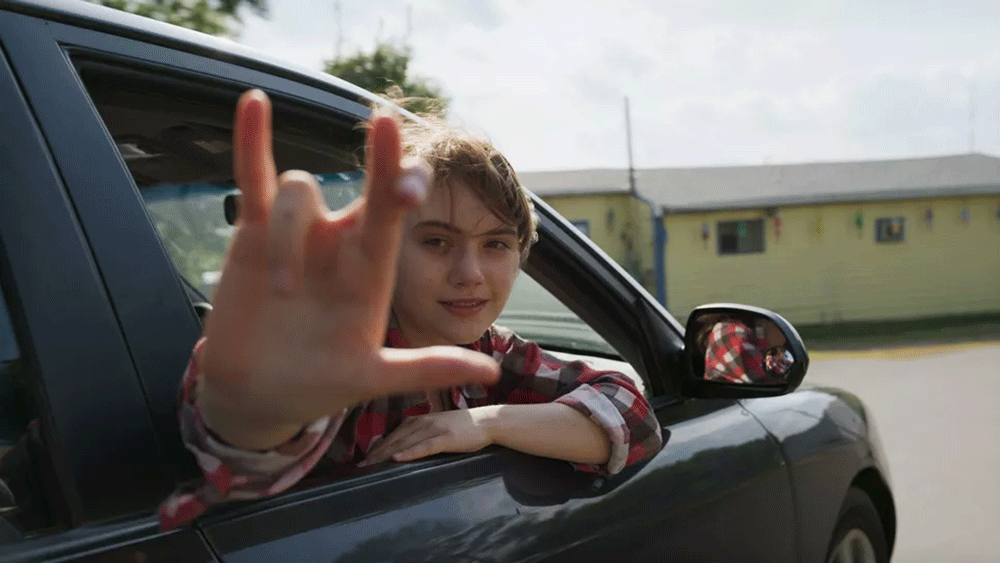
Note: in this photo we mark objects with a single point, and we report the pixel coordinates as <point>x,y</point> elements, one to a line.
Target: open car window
<point>535,314</point>
<point>176,140</point>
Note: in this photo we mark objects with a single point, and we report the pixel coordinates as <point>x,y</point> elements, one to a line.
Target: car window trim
<point>587,281</point>
<point>77,41</point>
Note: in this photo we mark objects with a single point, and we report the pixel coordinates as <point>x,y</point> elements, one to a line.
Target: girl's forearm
<point>551,430</point>
<point>238,428</point>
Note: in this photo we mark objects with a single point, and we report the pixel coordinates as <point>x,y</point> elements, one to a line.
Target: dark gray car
<point>115,167</point>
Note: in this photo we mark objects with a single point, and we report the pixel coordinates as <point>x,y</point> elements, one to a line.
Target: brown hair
<point>458,156</point>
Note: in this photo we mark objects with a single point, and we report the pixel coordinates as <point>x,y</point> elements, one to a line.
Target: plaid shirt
<point>734,353</point>
<point>334,445</point>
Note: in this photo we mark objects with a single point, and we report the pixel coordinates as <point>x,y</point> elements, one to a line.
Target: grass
<point>871,335</point>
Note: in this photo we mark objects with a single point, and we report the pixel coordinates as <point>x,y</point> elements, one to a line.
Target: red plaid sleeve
<point>233,474</point>
<point>610,399</point>
<point>732,354</point>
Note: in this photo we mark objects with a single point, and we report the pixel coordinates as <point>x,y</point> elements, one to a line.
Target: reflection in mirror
<point>744,348</point>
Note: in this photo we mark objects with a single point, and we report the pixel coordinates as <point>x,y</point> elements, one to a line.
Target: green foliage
<point>215,17</point>
<point>386,71</point>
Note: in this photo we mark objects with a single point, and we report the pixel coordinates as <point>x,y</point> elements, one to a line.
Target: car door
<point>718,491</point>
<point>80,460</point>
<point>719,471</point>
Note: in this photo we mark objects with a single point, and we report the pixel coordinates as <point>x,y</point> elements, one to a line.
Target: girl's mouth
<point>464,307</point>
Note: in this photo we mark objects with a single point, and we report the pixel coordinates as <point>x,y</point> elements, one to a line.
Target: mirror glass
<point>743,348</point>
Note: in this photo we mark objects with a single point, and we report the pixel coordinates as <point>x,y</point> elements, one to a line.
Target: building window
<point>741,237</point>
<point>583,225</point>
<point>890,229</point>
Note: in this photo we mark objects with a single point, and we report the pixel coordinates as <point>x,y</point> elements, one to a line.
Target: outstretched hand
<point>300,312</point>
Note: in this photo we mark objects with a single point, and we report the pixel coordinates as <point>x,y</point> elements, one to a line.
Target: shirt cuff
<point>231,473</point>
<point>598,408</point>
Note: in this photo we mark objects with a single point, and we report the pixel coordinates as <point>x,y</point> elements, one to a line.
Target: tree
<point>215,17</point>
<point>385,69</point>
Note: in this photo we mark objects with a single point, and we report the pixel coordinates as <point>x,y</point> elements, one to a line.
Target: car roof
<point>117,22</point>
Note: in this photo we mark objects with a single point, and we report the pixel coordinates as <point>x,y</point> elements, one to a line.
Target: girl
<point>346,338</point>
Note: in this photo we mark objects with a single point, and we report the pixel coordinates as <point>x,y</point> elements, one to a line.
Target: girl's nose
<point>467,268</point>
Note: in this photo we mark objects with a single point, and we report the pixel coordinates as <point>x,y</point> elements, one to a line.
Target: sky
<point>709,82</point>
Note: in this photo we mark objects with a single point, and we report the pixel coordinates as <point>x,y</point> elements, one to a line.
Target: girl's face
<point>457,264</point>
<point>772,334</point>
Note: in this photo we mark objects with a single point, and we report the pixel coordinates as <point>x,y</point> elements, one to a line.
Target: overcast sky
<point>711,82</point>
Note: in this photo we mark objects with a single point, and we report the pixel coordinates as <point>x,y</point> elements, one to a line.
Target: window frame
<point>719,225</point>
<point>583,225</point>
<point>881,226</point>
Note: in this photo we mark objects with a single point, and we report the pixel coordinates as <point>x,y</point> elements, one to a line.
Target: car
<point>115,160</point>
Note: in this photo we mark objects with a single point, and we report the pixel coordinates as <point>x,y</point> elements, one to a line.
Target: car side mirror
<point>739,351</point>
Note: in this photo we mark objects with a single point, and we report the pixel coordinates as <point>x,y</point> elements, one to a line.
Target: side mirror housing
<point>738,351</point>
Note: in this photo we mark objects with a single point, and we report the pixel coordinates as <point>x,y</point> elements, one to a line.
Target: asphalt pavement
<point>938,413</point>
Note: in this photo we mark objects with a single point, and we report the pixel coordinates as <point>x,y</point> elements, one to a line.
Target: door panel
<point>718,491</point>
<point>450,508</point>
<point>133,542</point>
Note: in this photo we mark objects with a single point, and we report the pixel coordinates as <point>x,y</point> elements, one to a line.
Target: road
<point>938,414</point>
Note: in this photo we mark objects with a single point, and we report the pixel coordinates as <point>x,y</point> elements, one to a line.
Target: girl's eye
<point>436,242</point>
<point>498,245</point>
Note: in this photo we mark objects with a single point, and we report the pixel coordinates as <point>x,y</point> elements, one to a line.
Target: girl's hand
<point>300,313</point>
<point>440,432</point>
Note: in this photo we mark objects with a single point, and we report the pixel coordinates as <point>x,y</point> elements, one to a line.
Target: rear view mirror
<point>740,351</point>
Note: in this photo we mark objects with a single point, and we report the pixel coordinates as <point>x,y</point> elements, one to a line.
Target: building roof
<point>740,187</point>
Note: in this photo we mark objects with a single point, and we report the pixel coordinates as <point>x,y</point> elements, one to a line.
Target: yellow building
<point>616,220</point>
<point>819,243</point>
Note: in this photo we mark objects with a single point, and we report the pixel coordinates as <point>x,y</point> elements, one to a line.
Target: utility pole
<point>972,117</point>
<point>340,30</point>
<point>409,25</point>
<point>628,140</point>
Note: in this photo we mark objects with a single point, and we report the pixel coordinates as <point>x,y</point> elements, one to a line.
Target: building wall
<point>616,222</point>
<point>824,269</point>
